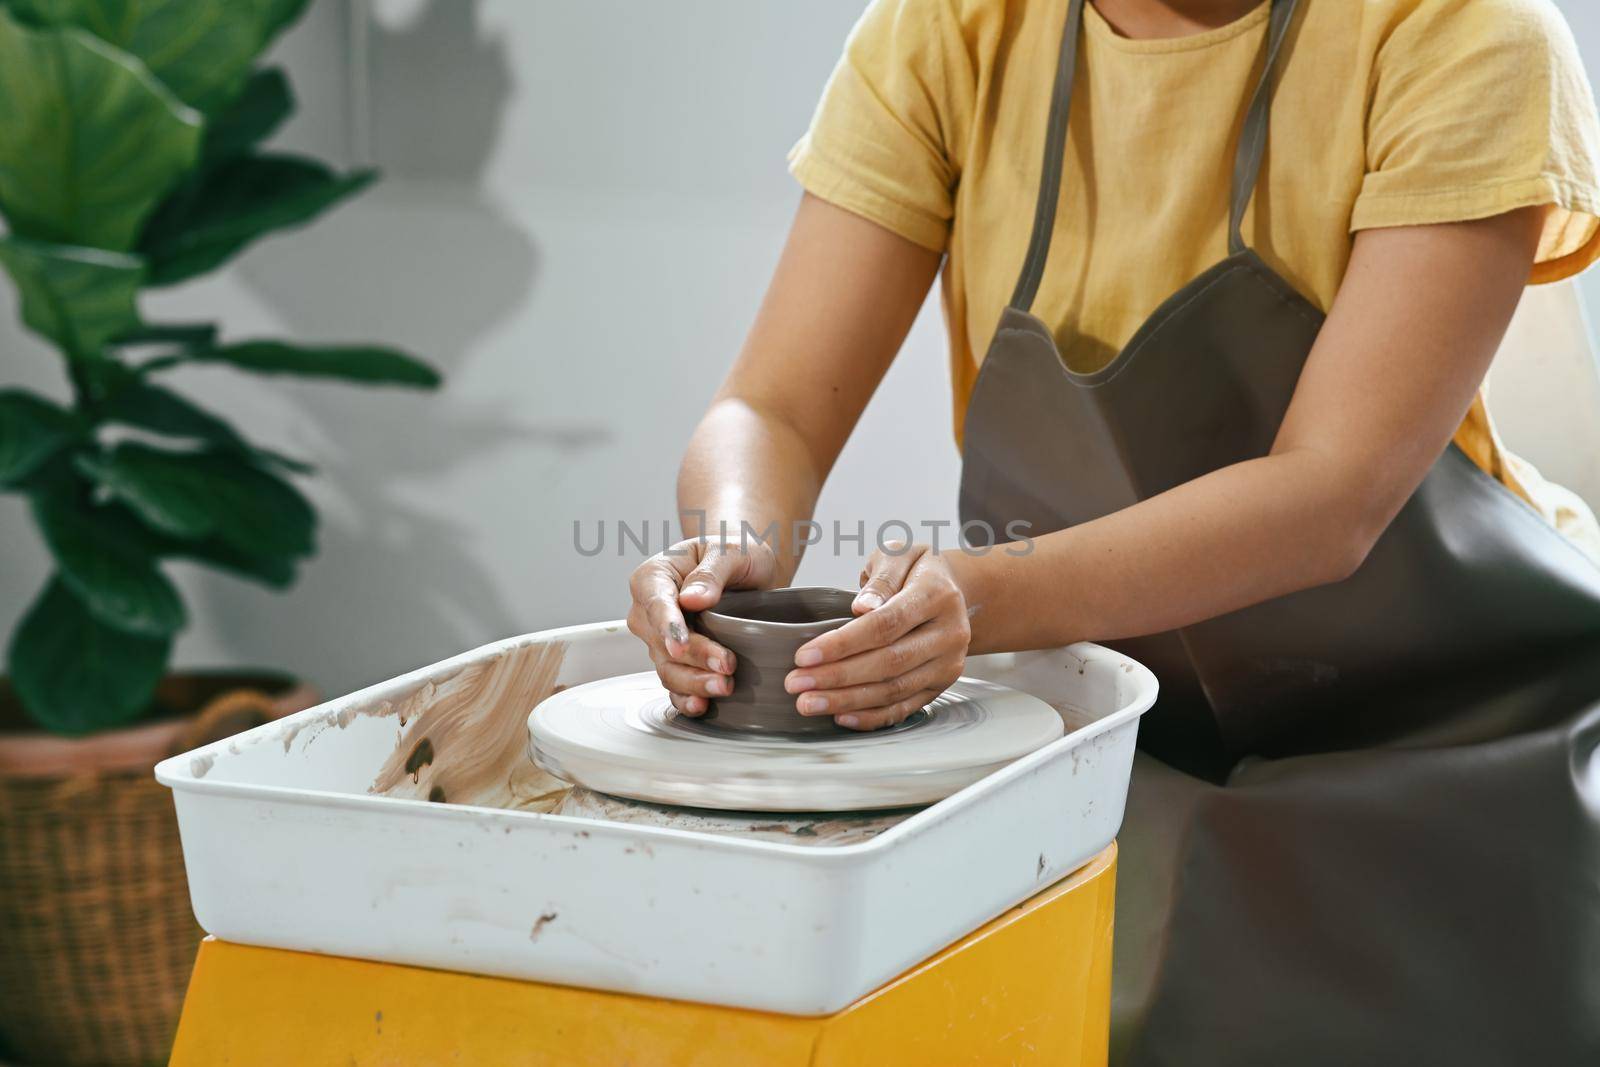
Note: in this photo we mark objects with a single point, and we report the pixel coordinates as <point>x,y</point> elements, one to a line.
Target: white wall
<point>581,204</point>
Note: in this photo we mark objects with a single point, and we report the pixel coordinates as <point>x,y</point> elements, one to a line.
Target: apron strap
<point>1253,137</point>
<point>1055,150</point>
<point>1246,163</point>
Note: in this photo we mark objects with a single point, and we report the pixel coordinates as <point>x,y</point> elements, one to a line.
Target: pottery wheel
<point>622,736</point>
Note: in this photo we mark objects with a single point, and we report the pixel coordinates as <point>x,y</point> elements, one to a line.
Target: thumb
<point>703,586</point>
<point>884,575</point>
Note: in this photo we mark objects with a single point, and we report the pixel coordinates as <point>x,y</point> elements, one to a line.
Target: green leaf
<point>102,379</point>
<point>85,13</point>
<point>274,572</point>
<point>199,49</point>
<point>273,16</point>
<point>259,110</point>
<point>77,297</point>
<point>75,674</point>
<point>112,573</point>
<point>210,494</point>
<point>115,520</point>
<point>369,364</point>
<point>182,333</point>
<point>234,204</point>
<point>31,430</point>
<point>90,140</point>
<point>160,410</point>
<point>272,458</point>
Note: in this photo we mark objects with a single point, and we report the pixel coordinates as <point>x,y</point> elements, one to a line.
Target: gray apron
<point>1365,825</point>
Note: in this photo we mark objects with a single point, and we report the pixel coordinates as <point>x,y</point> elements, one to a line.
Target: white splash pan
<point>286,848</point>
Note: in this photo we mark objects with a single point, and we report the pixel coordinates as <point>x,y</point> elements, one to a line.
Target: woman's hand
<point>690,576</point>
<point>907,646</point>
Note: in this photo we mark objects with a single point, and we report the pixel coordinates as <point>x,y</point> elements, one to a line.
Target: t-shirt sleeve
<point>880,143</point>
<point>1480,107</point>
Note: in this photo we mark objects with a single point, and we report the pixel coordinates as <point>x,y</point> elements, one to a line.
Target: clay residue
<point>831,829</point>
<point>468,741</point>
<point>343,715</point>
<point>1072,717</point>
<point>421,756</point>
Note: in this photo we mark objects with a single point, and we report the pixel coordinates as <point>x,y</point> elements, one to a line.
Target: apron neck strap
<point>1246,162</point>
<point>1253,137</point>
<point>1055,150</point>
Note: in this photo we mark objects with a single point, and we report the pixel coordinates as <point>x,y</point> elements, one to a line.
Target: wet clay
<point>467,742</point>
<point>763,629</point>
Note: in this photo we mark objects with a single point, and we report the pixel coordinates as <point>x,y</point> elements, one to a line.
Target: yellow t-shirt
<point>1386,113</point>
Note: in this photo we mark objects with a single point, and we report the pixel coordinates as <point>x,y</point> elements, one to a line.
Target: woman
<point>1231,384</point>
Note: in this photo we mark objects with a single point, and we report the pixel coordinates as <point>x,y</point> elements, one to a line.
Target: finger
<point>935,674</point>
<point>655,588</point>
<point>704,652</point>
<point>884,575</point>
<point>698,651</point>
<point>692,681</point>
<point>639,626</point>
<point>878,718</point>
<point>914,649</point>
<point>691,706</point>
<point>900,614</point>
<point>718,567</point>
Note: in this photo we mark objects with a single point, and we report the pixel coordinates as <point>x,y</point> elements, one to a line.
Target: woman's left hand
<point>908,644</point>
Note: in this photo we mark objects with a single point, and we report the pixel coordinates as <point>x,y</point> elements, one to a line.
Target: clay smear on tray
<point>818,829</point>
<point>468,744</point>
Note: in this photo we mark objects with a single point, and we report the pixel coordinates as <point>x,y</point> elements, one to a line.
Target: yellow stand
<point>1031,987</point>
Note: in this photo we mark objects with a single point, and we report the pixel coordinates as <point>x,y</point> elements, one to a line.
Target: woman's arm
<point>844,294</point>
<point>1406,345</point>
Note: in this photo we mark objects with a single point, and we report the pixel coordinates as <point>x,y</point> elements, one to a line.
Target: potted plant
<point>131,157</point>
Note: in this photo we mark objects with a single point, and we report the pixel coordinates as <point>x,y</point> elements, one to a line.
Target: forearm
<point>746,474</point>
<point>1235,537</point>
<point>842,298</point>
<point>1404,349</point>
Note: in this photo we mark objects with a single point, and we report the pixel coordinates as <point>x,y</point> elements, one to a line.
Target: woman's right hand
<point>691,576</point>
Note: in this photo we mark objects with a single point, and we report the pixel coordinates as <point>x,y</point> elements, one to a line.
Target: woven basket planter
<point>96,935</point>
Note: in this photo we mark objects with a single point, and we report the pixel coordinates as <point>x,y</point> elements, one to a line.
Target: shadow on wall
<point>437,72</point>
<point>433,266</point>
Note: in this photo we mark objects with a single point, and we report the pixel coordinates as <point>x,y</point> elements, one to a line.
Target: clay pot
<point>96,937</point>
<point>763,629</point>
